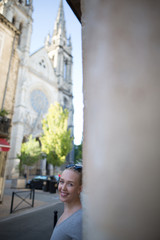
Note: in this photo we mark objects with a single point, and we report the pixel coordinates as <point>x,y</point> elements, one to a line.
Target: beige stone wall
<point>8,63</point>
<point>121,64</point>
<point>3,157</point>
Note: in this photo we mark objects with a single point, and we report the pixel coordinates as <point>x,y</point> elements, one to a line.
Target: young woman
<point>69,225</point>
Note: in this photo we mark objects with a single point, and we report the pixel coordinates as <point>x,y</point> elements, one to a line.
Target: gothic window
<point>65,70</point>
<point>39,101</point>
<point>20,29</point>
<point>65,102</point>
<point>13,20</point>
<point>42,63</point>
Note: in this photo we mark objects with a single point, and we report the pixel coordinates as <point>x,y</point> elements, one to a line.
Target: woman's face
<point>69,186</point>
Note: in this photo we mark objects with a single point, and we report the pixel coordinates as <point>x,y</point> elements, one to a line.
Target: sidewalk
<point>42,199</point>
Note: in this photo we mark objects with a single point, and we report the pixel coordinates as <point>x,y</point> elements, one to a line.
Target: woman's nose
<point>64,186</point>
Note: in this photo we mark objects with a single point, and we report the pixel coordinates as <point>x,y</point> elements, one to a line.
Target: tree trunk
<point>27,176</point>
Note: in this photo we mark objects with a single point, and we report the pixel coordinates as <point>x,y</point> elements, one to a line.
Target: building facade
<point>9,62</point>
<point>44,78</point>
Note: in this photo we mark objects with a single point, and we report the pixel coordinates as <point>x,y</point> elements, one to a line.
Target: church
<point>44,77</point>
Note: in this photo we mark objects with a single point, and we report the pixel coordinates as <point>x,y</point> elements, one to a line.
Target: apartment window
<point>65,70</point>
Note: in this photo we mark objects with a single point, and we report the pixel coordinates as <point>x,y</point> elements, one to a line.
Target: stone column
<point>121,148</point>
<point>43,166</point>
<point>12,170</point>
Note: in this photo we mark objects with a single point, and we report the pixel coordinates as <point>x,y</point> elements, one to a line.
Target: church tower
<point>59,50</point>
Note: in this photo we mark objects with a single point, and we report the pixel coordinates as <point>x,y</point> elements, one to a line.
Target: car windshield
<point>41,177</point>
<point>56,177</point>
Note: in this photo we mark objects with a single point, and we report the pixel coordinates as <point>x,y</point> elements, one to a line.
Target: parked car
<point>55,177</point>
<point>38,182</point>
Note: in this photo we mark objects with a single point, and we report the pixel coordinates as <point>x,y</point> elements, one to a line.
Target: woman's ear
<point>80,189</point>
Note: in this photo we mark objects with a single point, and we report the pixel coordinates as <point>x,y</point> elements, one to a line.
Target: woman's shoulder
<point>72,217</point>
<point>78,212</point>
<point>75,215</point>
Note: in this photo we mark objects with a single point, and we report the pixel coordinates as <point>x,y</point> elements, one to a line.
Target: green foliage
<point>20,167</point>
<point>78,153</point>
<point>30,152</point>
<point>56,140</point>
<point>3,113</point>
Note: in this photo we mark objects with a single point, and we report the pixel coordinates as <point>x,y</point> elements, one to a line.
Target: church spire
<point>60,25</point>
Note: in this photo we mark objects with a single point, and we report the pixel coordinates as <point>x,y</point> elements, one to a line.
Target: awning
<point>4,145</point>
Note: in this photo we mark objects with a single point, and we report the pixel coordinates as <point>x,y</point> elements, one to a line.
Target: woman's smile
<point>63,194</point>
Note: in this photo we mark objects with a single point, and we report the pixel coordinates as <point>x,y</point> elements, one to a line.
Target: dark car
<point>38,182</point>
<point>55,177</point>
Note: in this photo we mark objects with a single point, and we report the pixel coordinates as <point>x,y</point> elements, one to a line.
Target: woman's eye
<point>70,184</point>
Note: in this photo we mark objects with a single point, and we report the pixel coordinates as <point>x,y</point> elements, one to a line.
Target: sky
<point>44,16</point>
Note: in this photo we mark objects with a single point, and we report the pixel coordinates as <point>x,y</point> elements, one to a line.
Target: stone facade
<point>44,77</point>
<point>9,62</point>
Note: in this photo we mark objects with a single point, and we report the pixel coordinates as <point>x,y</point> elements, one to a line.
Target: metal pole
<point>11,209</point>
<point>55,218</point>
<point>33,193</point>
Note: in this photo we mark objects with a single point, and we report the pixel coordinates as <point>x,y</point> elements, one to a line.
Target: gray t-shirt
<point>69,229</point>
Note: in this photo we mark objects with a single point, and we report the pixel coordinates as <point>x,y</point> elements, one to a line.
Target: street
<point>34,225</point>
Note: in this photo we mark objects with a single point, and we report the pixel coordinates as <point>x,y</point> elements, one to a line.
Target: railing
<point>28,194</point>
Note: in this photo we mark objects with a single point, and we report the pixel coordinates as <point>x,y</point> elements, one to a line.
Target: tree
<point>30,153</point>
<point>78,153</point>
<point>56,140</point>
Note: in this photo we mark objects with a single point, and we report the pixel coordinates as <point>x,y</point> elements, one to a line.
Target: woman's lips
<point>64,194</point>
